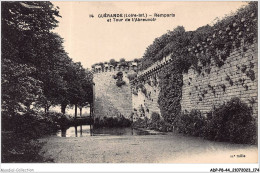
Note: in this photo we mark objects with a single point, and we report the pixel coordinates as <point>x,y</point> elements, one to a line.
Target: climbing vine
<point>207,43</point>
<point>171,93</point>
<point>197,49</point>
<point>119,77</point>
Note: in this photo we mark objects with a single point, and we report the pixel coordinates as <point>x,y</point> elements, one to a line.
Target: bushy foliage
<point>113,62</point>
<point>20,150</point>
<point>21,131</point>
<point>232,122</point>
<point>120,83</point>
<point>152,51</point>
<point>192,123</point>
<point>112,122</point>
<point>206,42</point>
<point>119,78</point>
<point>155,123</point>
<point>170,93</point>
<point>123,62</point>
<point>137,60</point>
<point>163,126</point>
<point>32,124</point>
<point>142,87</point>
<point>36,69</point>
<point>155,117</point>
<point>132,76</point>
<point>140,123</point>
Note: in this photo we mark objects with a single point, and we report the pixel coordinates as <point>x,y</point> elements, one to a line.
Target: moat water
<point>89,130</point>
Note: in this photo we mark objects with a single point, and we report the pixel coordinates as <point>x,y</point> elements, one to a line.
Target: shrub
<point>56,118</point>
<point>163,126</point>
<point>120,83</point>
<point>155,123</point>
<point>232,122</point>
<point>140,123</point>
<point>123,62</point>
<point>31,124</point>
<point>119,77</point>
<point>155,117</point>
<point>16,149</point>
<point>192,123</point>
<point>113,62</point>
<point>20,133</point>
<point>131,76</point>
<point>112,122</point>
<point>136,60</point>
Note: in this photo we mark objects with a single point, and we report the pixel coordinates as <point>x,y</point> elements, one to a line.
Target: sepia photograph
<point>147,82</point>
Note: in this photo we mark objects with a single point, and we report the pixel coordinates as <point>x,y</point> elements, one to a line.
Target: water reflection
<point>76,131</point>
<point>89,130</point>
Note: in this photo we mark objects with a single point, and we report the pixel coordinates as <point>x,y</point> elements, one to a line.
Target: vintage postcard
<point>129,82</point>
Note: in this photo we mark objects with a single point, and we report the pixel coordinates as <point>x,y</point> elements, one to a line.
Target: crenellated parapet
<point>107,67</point>
<point>155,68</point>
<point>151,73</point>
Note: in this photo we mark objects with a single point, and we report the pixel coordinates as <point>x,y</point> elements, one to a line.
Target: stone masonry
<point>205,90</point>
<point>109,99</point>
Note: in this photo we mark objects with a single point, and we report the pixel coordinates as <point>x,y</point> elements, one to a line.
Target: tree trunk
<point>27,105</point>
<point>63,108</point>
<point>47,107</point>
<point>76,131</point>
<point>91,109</point>
<point>80,111</point>
<point>80,130</point>
<point>76,111</point>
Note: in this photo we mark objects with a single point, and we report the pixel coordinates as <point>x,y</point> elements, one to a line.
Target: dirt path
<point>170,148</point>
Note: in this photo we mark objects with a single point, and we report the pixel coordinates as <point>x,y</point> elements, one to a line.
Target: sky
<point>91,40</point>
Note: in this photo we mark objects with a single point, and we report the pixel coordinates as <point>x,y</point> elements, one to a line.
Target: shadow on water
<point>89,130</point>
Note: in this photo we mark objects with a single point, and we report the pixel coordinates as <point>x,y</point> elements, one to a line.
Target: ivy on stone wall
<point>119,77</point>
<point>203,45</point>
<point>208,42</point>
<point>170,93</point>
<point>171,78</point>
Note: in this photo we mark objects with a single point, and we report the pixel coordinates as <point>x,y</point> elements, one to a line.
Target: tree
<point>113,62</point>
<point>19,89</point>
<point>137,60</point>
<point>35,67</point>
<point>24,24</point>
<point>123,62</point>
<point>84,94</point>
<point>154,52</point>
